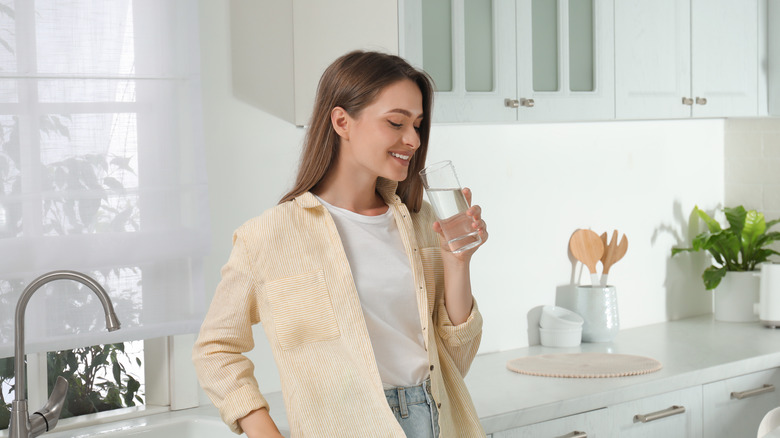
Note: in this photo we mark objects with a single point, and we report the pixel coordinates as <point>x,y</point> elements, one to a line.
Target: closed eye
<point>395,125</point>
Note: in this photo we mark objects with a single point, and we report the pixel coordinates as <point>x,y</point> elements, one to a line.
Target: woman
<point>372,324</point>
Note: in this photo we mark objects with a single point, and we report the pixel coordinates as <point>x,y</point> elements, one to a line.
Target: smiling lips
<point>401,157</point>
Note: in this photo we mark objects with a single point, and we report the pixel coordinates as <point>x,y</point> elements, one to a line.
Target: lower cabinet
<point>728,408</point>
<point>734,407</point>
<point>588,424</point>
<point>670,415</point>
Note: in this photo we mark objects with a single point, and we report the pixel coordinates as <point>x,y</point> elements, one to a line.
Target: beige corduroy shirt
<point>288,271</point>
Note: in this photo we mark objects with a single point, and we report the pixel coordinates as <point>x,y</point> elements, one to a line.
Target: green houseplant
<point>738,248</point>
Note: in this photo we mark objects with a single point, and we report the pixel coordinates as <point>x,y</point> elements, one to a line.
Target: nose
<point>411,138</point>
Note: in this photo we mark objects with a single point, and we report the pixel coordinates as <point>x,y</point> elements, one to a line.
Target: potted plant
<point>737,251</point>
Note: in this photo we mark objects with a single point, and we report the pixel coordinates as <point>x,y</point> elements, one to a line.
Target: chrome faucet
<point>44,420</point>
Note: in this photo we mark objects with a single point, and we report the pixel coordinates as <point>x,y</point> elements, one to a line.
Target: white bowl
<point>561,337</point>
<point>555,317</point>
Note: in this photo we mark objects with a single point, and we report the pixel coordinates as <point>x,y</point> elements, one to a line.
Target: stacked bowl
<point>559,327</point>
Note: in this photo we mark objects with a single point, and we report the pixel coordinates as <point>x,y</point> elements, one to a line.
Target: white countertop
<point>692,351</point>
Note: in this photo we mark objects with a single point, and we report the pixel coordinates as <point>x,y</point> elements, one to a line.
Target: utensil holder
<point>597,305</point>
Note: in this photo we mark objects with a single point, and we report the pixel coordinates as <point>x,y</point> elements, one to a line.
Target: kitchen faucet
<point>46,418</point>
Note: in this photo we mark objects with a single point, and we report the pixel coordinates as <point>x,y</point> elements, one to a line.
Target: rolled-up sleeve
<point>461,341</point>
<point>226,375</point>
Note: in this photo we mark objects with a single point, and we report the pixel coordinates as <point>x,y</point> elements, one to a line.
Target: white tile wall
<point>752,164</point>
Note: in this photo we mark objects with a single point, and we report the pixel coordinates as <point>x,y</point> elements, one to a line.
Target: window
<point>100,377</point>
<point>102,171</point>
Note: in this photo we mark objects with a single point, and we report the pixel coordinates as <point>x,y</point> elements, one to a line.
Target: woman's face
<point>385,135</point>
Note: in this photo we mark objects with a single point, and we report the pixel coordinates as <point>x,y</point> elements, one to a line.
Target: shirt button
<point>438,405</point>
<point>431,367</point>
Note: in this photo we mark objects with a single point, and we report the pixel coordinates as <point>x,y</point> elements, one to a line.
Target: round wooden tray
<point>584,365</point>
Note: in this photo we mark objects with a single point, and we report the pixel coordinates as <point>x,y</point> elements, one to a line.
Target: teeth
<point>403,157</point>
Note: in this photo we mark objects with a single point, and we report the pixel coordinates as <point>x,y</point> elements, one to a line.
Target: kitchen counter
<point>693,351</point>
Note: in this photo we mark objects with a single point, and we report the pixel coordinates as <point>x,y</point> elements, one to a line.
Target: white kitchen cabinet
<point>686,58</point>
<point>670,415</point>
<point>591,424</point>
<point>565,60</point>
<point>280,49</point>
<point>514,60</point>
<point>468,48</point>
<point>734,407</point>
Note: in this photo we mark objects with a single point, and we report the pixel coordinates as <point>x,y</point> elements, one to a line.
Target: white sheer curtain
<point>101,168</point>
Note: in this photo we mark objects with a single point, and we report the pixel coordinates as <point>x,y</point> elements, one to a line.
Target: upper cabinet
<point>514,60</point>
<point>279,49</point>
<point>686,58</point>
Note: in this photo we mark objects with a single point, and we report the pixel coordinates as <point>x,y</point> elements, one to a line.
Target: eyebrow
<point>404,112</point>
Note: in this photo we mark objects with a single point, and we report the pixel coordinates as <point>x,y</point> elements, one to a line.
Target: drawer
<point>734,407</point>
<point>587,424</point>
<point>670,415</point>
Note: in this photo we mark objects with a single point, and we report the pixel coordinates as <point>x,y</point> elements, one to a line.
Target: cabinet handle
<point>753,392</point>
<point>575,434</point>
<point>514,103</point>
<point>687,101</point>
<point>668,412</point>
<point>701,101</point>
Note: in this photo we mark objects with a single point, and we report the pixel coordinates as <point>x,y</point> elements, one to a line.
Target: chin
<point>397,177</point>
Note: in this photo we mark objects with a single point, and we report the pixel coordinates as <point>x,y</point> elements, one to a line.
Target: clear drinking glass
<point>446,196</point>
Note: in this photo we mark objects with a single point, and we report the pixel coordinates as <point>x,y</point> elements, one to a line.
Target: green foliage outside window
<point>97,378</point>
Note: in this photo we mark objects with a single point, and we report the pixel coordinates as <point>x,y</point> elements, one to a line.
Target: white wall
<point>537,183</point>
<point>752,171</point>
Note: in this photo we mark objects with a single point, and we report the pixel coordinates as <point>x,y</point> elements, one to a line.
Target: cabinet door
<point>724,50</point>
<point>675,414</point>
<point>565,60</point>
<point>323,31</point>
<point>652,59</point>
<point>734,407</point>
<point>468,48</point>
<point>589,424</point>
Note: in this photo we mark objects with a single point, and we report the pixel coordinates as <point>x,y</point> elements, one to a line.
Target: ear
<point>340,121</point>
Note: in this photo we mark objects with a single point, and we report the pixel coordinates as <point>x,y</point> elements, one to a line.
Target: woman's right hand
<point>259,424</point>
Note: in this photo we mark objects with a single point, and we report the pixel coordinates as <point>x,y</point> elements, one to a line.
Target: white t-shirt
<point>385,283</point>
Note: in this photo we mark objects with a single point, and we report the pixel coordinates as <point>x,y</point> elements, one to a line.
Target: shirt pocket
<point>302,309</point>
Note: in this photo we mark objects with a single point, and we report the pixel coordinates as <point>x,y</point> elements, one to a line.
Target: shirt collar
<point>384,186</point>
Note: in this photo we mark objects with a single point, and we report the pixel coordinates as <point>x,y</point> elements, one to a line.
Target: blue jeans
<point>415,410</point>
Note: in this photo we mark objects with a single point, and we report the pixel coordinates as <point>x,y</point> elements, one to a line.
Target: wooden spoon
<point>588,249</point>
<point>612,253</point>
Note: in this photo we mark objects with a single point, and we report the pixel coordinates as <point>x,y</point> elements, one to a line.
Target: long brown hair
<point>353,82</point>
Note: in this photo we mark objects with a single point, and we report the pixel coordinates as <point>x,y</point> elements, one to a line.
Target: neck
<point>352,191</point>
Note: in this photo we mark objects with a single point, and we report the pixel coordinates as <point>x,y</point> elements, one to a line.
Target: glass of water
<point>446,196</point>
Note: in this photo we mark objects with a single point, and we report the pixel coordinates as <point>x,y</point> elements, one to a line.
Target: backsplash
<point>752,165</point>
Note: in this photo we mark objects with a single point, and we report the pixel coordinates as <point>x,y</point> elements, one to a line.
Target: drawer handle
<point>511,103</point>
<point>646,418</point>
<point>687,101</point>
<point>528,103</point>
<point>753,392</point>
<point>575,434</point>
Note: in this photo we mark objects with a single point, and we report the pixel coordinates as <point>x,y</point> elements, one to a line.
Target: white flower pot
<point>736,296</point>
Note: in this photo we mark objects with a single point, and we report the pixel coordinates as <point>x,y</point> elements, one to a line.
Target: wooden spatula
<point>587,247</point>
<point>612,253</point>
